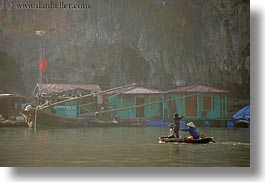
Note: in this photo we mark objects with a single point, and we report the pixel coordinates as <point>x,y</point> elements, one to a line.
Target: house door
<point>191,106</point>
<point>139,110</point>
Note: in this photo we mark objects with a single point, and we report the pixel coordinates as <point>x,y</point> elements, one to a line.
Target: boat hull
<point>242,124</point>
<point>200,140</point>
<point>185,140</point>
<point>49,120</point>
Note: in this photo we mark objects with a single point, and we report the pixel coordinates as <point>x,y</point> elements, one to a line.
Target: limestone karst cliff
<point>116,42</point>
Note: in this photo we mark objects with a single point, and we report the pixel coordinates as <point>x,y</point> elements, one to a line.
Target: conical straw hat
<point>191,124</point>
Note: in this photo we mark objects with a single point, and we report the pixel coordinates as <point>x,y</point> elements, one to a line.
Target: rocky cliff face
<point>10,76</point>
<point>116,42</point>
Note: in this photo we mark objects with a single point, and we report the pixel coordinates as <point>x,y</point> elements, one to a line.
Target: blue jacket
<point>193,132</point>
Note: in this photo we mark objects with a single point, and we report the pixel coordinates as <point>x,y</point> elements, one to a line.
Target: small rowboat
<point>186,140</point>
<point>199,140</point>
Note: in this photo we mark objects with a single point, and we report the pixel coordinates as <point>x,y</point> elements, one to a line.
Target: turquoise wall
<point>66,111</point>
<point>218,103</point>
<point>216,106</point>
<point>180,103</point>
<point>150,110</point>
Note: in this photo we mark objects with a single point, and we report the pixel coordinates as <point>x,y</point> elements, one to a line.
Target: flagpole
<point>39,33</point>
<point>40,72</point>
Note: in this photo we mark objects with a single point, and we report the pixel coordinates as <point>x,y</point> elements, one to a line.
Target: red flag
<point>43,64</point>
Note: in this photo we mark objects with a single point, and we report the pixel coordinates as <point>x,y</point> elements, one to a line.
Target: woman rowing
<point>192,130</point>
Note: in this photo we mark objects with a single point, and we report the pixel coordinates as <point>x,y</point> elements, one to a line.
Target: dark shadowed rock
<point>10,76</point>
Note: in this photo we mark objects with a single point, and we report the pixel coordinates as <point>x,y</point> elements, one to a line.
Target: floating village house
<point>197,102</point>
<point>137,103</point>
<point>10,106</point>
<point>52,93</point>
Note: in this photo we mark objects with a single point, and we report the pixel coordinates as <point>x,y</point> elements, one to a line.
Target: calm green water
<point>120,147</point>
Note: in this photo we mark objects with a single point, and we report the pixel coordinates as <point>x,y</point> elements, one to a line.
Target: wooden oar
<point>212,140</point>
<point>205,136</point>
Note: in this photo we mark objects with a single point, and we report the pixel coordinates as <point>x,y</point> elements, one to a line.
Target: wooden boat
<point>49,120</point>
<point>185,140</point>
<point>10,123</point>
<point>242,124</point>
<point>199,140</point>
<point>44,115</point>
<point>44,119</point>
<point>242,117</point>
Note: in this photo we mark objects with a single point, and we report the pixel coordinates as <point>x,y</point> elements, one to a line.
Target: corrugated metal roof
<point>64,87</point>
<point>198,88</point>
<point>139,90</point>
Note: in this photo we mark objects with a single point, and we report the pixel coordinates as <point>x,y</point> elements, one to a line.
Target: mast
<point>41,34</point>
